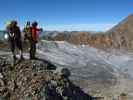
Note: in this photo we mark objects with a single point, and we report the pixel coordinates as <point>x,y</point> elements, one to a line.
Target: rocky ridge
<point>37,80</point>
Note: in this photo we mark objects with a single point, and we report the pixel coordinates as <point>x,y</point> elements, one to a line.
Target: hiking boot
<point>14,60</point>
<point>21,58</point>
<point>32,58</point>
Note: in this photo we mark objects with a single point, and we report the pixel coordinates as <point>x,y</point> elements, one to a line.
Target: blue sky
<point>93,15</point>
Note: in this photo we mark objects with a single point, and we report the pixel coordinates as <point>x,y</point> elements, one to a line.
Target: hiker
<point>34,36</point>
<point>28,35</point>
<point>15,39</point>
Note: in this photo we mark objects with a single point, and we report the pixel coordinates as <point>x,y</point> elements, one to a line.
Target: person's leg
<point>12,47</point>
<point>34,50</point>
<point>21,54</point>
<point>31,50</point>
<point>19,46</point>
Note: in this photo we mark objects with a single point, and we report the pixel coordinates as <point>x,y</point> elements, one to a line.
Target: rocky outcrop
<point>37,80</point>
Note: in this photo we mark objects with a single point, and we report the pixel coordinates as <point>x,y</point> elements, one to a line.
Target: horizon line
<point>93,27</point>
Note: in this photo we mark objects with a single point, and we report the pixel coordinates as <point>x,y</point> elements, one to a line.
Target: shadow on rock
<point>49,65</point>
<point>65,91</point>
<point>42,64</point>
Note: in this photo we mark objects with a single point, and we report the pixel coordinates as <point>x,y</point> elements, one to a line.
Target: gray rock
<point>1,76</point>
<point>62,71</point>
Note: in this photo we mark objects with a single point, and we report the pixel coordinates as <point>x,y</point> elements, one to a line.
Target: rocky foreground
<point>37,80</point>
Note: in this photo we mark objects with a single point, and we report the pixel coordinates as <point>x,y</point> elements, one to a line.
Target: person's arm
<point>19,33</point>
<point>24,34</point>
<point>10,33</point>
<point>24,30</point>
<point>40,29</point>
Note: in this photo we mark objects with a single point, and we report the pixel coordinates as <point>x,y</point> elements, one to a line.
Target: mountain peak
<point>130,15</point>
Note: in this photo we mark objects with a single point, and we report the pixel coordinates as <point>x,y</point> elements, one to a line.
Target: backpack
<point>27,33</point>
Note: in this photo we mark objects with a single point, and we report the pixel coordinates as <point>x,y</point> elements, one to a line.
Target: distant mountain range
<point>120,36</point>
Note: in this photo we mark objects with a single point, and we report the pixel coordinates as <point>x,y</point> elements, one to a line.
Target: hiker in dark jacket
<point>15,39</point>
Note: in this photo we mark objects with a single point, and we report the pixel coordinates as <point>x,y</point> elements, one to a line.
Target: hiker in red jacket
<point>34,36</point>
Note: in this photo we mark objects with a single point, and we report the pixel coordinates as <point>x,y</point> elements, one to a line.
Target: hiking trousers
<point>15,43</point>
<point>32,50</point>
